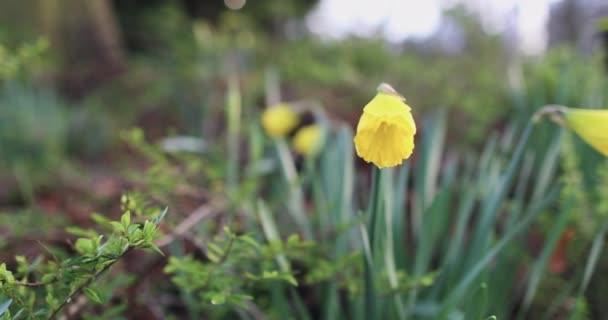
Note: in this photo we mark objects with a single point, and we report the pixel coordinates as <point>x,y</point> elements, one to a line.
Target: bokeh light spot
<point>235,4</point>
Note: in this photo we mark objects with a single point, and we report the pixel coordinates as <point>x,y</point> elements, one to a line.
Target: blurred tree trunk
<point>86,36</point>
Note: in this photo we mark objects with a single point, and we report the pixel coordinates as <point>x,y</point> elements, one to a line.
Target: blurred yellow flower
<point>279,120</point>
<point>590,124</point>
<point>308,140</point>
<point>385,133</point>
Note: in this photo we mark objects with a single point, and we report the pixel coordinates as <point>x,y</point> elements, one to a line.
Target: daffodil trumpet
<point>589,124</point>
<point>386,129</point>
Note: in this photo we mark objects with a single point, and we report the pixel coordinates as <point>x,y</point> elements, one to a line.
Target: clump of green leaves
<point>19,61</point>
<point>42,288</point>
<point>234,265</point>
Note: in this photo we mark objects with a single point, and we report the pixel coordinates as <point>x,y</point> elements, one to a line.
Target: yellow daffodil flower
<point>385,133</point>
<point>590,124</point>
<point>279,120</point>
<point>308,140</point>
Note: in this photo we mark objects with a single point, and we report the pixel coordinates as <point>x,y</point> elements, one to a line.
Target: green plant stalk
<point>295,203</point>
<point>399,223</point>
<point>272,234</point>
<point>541,263</point>
<point>374,204</point>
<point>592,260</point>
<point>233,110</point>
<point>24,183</point>
<point>321,213</point>
<point>559,299</point>
<point>389,250</point>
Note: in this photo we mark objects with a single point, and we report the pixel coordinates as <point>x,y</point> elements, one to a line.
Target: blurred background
<point>76,76</point>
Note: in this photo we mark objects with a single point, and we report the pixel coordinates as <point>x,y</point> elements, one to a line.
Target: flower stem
<point>370,292</point>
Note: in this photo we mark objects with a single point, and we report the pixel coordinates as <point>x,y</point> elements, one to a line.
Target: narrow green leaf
<point>93,294</point>
<point>271,232</point>
<point>295,202</point>
<point>47,278</point>
<point>4,306</point>
<point>459,290</point>
<point>18,314</point>
<point>250,240</point>
<point>538,269</point>
<point>155,248</point>
<point>594,254</point>
<point>160,216</point>
<point>125,220</point>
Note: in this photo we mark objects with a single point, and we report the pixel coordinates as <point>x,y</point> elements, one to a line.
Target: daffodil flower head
<point>386,129</point>
<point>308,140</point>
<point>279,120</point>
<point>589,124</point>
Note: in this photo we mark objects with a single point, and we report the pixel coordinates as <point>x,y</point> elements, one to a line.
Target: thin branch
<point>203,212</point>
<point>34,284</point>
<point>87,283</point>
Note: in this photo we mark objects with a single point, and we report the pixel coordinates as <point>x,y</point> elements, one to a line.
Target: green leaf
<point>155,248</point>
<point>293,240</point>
<point>215,249</point>
<point>132,228</point>
<point>47,278</point>
<point>125,220</point>
<point>41,311</point>
<point>4,306</point>
<point>239,299</point>
<point>291,279</point>
<point>160,216</point>
<point>117,227</point>
<point>84,246</point>
<point>18,314</point>
<point>250,240</point>
<point>100,219</point>
<point>81,232</point>
<point>93,294</point>
<point>218,299</point>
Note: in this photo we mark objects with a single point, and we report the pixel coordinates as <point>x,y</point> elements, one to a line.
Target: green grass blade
<point>373,212</point>
<point>389,245</point>
<point>594,254</point>
<point>460,290</point>
<point>541,262</point>
<point>495,200</point>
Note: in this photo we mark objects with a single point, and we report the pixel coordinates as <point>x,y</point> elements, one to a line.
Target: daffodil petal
<point>386,147</point>
<point>591,125</point>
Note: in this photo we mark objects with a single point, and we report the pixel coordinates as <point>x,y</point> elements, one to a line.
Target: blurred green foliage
<point>283,235</point>
<point>33,129</point>
<point>22,61</point>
